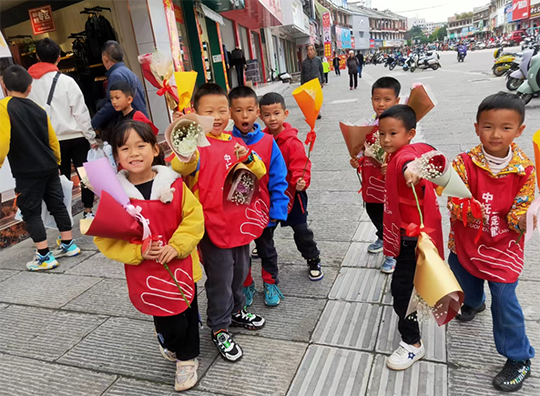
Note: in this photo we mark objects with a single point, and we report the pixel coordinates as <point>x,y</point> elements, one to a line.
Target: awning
<point>257,14</point>
<point>212,15</point>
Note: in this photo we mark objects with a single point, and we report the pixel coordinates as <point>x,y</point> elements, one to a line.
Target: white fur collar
<point>161,189</point>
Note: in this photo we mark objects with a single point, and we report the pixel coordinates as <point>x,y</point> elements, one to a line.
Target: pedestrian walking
<point>312,68</point>
<point>326,69</point>
<point>113,60</point>
<point>360,58</point>
<point>63,100</point>
<point>335,63</point>
<point>352,65</point>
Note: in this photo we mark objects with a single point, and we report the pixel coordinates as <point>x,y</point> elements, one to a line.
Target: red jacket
<point>295,157</point>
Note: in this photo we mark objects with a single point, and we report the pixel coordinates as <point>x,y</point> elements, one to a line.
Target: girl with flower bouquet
<point>176,224</point>
<point>371,162</point>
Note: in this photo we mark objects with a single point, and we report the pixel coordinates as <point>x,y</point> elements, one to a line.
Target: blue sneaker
<point>249,292</point>
<point>376,247</point>
<point>64,250</point>
<point>389,265</point>
<point>272,295</point>
<point>42,263</point>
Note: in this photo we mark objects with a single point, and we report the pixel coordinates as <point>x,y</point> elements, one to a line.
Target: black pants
<point>338,72</point>
<point>76,150</point>
<point>297,220</point>
<point>31,193</point>
<point>402,287</point>
<point>268,254</point>
<point>353,77</point>
<point>240,74</point>
<point>375,212</point>
<point>326,78</point>
<point>180,333</point>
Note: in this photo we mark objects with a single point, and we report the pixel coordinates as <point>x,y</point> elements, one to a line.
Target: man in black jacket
<point>361,62</point>
<point>335,63</point>
<point>312,68</point>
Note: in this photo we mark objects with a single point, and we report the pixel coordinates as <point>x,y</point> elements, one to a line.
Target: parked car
<point>517,37</point>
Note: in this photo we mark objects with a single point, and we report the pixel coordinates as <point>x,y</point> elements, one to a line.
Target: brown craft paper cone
<point>355,137</point>
<point>230,180</point>
<point>420,102</point>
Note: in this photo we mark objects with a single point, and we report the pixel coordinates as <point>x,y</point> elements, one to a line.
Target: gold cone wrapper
<point>452,184</point>
<point>309,97</point>
<point>420,102</point>
<point>355,137</point>
<point>435,282</point>
<point>185,83</point>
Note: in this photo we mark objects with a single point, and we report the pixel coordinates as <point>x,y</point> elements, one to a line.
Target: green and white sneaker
<point>42,263</point>
<point>247,320</point>
<point>226,345</point>
<point>64,250</point>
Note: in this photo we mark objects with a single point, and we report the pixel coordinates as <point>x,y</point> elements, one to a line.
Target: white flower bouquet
<point>187,133</point>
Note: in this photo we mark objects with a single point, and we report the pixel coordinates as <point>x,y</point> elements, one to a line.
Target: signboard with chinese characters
<point>42,20</point>
<point>327,39</point>
<point>171,17</point>
<point>520,10</point>
<point>535,10</point>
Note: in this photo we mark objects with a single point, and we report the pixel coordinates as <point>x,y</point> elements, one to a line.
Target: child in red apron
<point>396,130</point>
<point>384,94</point>
<point>273,113</point>
<point>176,221</point>
<point>502,178</point>
<point>229,227</point>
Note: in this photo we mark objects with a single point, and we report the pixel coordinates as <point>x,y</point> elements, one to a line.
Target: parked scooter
<point>503,61</point>
<point>283,77</point>
<point>517,77</point>
<point>428,61</point>
<point>398,61</point>
<point>531,86</point>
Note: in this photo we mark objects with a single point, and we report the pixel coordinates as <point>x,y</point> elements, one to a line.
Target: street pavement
<point>73,331</point>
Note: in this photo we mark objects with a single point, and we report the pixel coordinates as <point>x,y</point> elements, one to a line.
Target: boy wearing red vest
<point>384,94</point>
<point>229,231</point>
<point>396,130</point>
<point>502,178</point>
<point>244,112</point>
<point>273,113</point>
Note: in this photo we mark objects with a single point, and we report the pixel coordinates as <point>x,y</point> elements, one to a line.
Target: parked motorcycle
<point>503,61</point>
<point>531,86</point>
<point>398,61</point>
<point>517,77</point>
<point>429,60</point>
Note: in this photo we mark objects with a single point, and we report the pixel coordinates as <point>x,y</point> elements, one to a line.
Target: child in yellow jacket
<point>177,224</point>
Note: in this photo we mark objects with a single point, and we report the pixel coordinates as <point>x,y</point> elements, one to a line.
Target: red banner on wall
<point>520,9</point>
<point>327,39</point>
<point>42,20</point>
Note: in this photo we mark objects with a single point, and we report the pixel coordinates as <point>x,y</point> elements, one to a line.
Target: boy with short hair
<point>244,112</point>
<point>396,130</point>
<point>229,231</point>
<point>384,94</point>
<point>502,178</point>
<point>29,141</point>
<point>122,95</point>
<point>274,113</point>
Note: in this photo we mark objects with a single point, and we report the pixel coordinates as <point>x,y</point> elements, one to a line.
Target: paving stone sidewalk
<point>73,331</point>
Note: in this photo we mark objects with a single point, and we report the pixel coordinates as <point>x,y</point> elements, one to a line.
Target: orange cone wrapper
<point>309,97</point>
<point>420,102</point>
<point>355,136</point>
<point>534,209</point>
<point>185,83</point>
<point>435,283</point>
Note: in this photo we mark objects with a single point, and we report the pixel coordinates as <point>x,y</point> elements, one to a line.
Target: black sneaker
<point>228,348</point>
<point>254,254</point>
<point>314,269</point>
<point>247,320</point>
<point>467,313</point>
<point>511,377</point>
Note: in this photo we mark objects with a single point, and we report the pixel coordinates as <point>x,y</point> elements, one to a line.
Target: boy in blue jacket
<point>244,112</point>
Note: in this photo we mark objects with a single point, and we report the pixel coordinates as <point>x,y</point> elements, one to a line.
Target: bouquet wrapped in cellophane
<point>243,184</point>
<point>187,133</point>
<point>158,70</point>
<point>373,149</point>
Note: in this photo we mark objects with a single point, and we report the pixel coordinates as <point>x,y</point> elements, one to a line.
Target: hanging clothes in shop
<point>98,32</point>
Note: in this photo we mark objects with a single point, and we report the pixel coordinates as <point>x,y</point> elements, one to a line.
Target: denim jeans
<point>508,321</point>
<point>360,71</point>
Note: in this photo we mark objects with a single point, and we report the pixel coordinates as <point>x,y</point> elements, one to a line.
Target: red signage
<point>42,20</point>
<point>520,9</point>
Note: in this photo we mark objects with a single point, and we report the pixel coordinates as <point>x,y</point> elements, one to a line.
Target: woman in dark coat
<point>352,65</point>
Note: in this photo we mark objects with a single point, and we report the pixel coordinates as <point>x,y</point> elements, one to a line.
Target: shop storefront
<point>535,15</point>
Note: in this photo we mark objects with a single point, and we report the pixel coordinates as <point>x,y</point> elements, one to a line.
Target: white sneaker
<point>186,374</point>
<point>405,356</point>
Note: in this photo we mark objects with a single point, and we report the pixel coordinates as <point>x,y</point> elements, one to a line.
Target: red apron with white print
<point>497,256</point>
<point>263,148</point>
<point>151,288</point>
<point>227,224</point>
